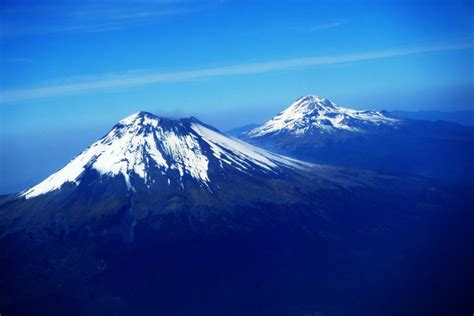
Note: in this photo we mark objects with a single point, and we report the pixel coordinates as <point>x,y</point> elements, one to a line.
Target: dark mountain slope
<point>217,227</point>
<point>316,130</point>
<point>460,117</point>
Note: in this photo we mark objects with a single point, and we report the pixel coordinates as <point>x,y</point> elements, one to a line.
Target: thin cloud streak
<point>89,16</point>
<point>16,60</point>
<point>106,83</point>
<point>326,26</point>
<point>106,23</point>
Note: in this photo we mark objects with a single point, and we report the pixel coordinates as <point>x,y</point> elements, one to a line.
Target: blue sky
<point>70,69</point>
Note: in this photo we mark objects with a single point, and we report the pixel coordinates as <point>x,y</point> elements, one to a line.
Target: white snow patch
<point>140,142</point>
<point>241,153</point>
<point>316,112</point>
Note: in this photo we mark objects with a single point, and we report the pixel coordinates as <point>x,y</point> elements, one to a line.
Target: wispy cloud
<point>317,27</point>
<point>89,16</point>
<point>134,79</point>
<point>15,60</point>
<point>325,26</point>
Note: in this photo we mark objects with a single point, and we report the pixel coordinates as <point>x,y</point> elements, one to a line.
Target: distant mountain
<point>238,131</point>
<point>460,117</point>
<point>315,129</point>
<point>315,115</point>
<point>173,217</point>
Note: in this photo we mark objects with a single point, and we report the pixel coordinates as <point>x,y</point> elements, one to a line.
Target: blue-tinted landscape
<point>236,158</point>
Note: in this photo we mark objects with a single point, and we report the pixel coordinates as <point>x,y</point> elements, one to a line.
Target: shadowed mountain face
<point>172,217</point>
<point>315,129</point>
<point>150,165</point>
<point>236,132</point>
<point>460,117</point>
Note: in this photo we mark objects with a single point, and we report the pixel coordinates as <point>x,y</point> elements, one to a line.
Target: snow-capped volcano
<point>317,130</point>
<point>175,203</point>
<point>315,114</point>
<point>149,148</point>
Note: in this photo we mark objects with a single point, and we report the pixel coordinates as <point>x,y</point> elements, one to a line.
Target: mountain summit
<point>315,129</point>
<point>155,170</point>
<point>313,114</point>
<point>149,149</point>
<point>138,222</point>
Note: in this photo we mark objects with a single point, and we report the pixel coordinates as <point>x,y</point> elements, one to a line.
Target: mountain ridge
<point>314,114</point>
<point>462,117</point>
<point>373,140</point>
<point>260,228</point>
<point>174,147</point>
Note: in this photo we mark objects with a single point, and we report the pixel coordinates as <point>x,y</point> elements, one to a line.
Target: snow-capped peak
<point>141,118</point>
<point>149,148</point>
<point>313,113</point>
<point>311,103</point>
